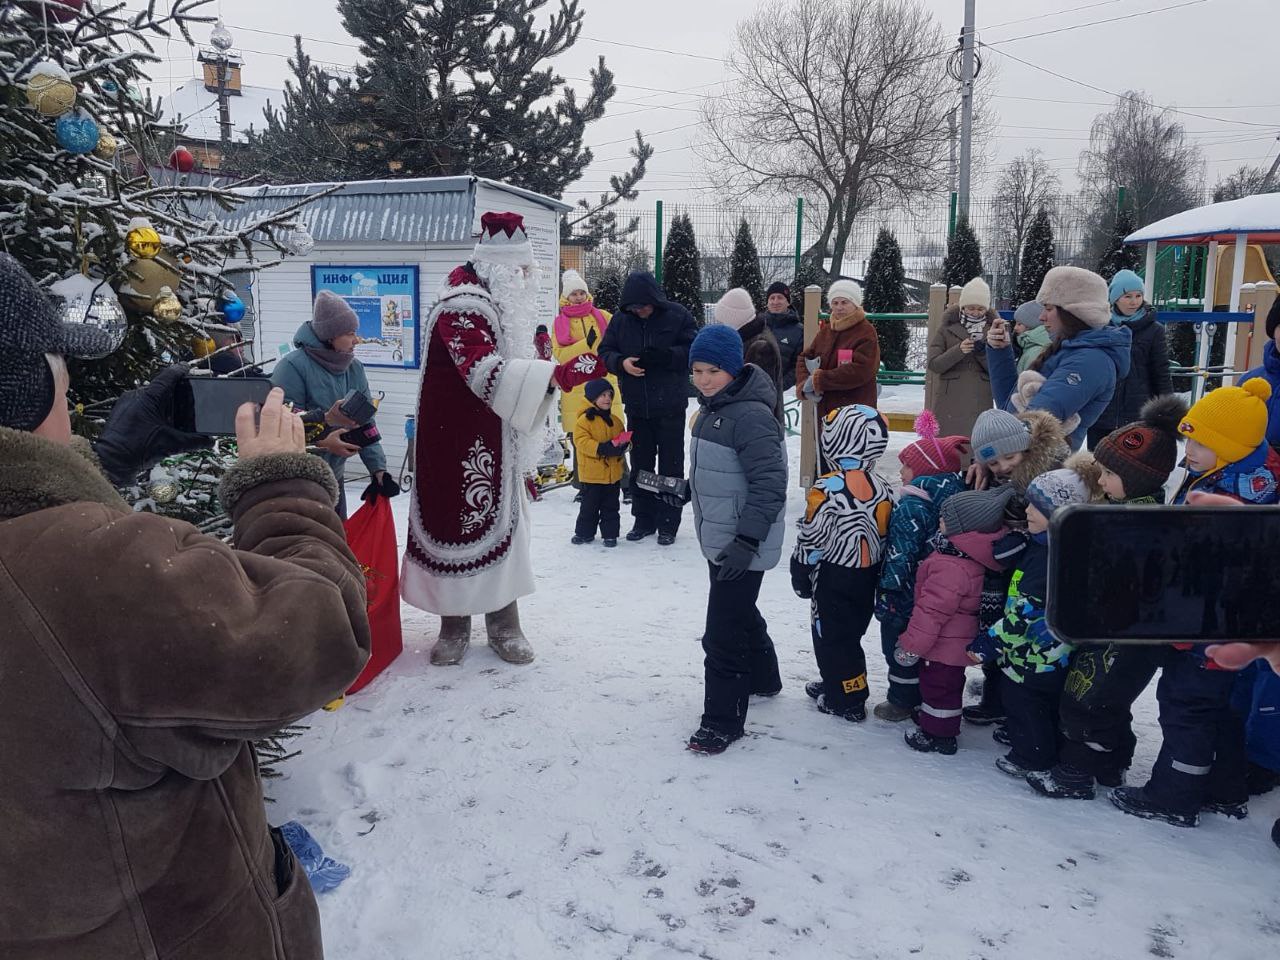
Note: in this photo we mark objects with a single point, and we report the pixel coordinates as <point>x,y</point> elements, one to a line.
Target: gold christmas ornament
<point>143,280</point>
<point>107,146</point>
<point>163,491</point>
<point>167,306</point>
<point>201,347</point>
<point>142,239</point>
<point>50,90</point>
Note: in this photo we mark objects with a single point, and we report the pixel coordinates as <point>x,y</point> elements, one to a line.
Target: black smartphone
<point>1155,574</point>
<point>207,405</point>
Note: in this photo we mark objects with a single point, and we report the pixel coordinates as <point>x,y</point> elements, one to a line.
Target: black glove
<point>388,488</point>
<point>735,559</point>
<point>801,578</point>
<point>655,358</point>
<point>675,500</point>
<point>610,448</point>
<point>591,338</point>
<point>140,431</point>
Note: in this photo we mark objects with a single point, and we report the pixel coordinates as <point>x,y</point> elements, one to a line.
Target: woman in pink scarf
<point>578,329</point>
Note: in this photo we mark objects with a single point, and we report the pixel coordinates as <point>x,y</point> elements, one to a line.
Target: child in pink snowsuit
<point>945,617</point>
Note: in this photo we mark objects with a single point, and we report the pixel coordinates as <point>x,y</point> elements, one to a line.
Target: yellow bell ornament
<point>167,306</point>
<point>142,240</point>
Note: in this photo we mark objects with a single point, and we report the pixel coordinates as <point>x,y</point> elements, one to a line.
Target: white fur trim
<point>521,397</point>
<point>511,254</point>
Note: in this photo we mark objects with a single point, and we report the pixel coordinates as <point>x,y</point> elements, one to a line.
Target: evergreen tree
<point>66,213</point>
<point>1038,257</point>
<point>884,292</point>
<point>964,257</point>
<point>1120,255</point>
<point>744,265</point>
<point>810,272</point>
<point>606,291</point>
<point>682,268</point>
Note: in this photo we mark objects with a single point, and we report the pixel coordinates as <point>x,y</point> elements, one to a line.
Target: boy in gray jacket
<point>738,484</point>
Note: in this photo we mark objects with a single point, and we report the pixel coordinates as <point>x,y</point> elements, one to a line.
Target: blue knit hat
<point>1125,281</point>
<point>718,345</point>
<point>595,388</point>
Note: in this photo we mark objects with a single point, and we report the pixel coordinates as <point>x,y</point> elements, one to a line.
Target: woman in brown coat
<point>960,386</point>
<point>844,357</point>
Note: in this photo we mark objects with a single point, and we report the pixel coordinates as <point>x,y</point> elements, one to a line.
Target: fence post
<point>799,231</point>
<point>937,307</point>
<point>657,250</point>
<point>953,296</point>
<point>808,413</point>
<point>1249,348</point>
<point>951,218</point>
<point>1120,193</point>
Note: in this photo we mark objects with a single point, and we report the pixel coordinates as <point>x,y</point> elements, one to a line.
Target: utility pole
<point>951,211</point>
<point>966,104</point>
<point>1266,181</point>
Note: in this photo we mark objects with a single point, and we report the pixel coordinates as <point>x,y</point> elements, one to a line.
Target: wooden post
<point>1237,282</point>
<point>953,296</point>
<point>1249,349</point>
<point>808,412</point>
<point>937,307</point>
<point>1239,358</point>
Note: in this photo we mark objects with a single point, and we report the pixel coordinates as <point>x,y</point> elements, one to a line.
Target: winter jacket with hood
<point>847,511</point>
<point>140,659</point>
<point>960,384</point>
<point>1269,371</point>
<point>309,386</point>
<point>1148,372</point>
<point>912,524</point>
<point>1033,343</point>
<point>1254,480</point>
<point>599,461</point>
<point>662,342</point>
<point>788,330</point>
<point>760,347</point>
<point>947,595</point>
<point>1079,379</point>
<point>841,384</point>
<point>738,469</point>
<point>578,329</point>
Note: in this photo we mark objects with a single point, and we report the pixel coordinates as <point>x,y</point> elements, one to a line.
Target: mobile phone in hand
<point>207,406</point>
<point>1156,574</point>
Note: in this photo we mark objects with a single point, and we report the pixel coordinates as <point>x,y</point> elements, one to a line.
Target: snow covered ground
<point>492,811</point>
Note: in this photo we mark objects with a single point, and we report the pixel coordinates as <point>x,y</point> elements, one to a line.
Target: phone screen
<point>207,405</point>
<point>1155,574</point>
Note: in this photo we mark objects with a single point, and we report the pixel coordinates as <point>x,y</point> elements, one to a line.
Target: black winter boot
<point>928,743</point>
<point>709,741</point>
<point>639,532</point>
<point>813,689</point>
<point>1063,781</point>
<point>852,714</point>
<point>981,715</point>
<point>1236,811</point>
<point>1134,802</point>
<point>1275,832</point>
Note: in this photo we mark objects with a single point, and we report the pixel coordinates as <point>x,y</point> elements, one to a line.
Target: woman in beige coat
<point>960,387</point>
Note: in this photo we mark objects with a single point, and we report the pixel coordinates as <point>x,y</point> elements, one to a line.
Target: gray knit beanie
<point>980,511</point>
<point>332,317</point>
<point>997,434</point>
<point>1028,314</point>
<point>29,329</point>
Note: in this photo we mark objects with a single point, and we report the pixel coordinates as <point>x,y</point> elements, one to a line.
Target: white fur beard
<point>515,294</point>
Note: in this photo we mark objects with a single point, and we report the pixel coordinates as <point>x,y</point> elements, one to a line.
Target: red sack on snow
<point>371,532</point>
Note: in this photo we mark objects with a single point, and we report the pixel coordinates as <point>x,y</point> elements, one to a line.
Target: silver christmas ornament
<point>92,303</point>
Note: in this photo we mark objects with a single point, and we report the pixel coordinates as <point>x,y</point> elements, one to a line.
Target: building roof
<point>437,210</point>
<point>1257,217</point>
<point>195,106</point>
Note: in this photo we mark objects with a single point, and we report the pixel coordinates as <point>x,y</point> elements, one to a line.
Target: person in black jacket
<point>787,329</point>
<point>1148,358</point>
<point>647,347</point>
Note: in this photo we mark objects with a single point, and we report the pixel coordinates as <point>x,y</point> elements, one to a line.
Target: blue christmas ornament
<point>232,308</point>
<point>76,132</point>
<point>110,87</point>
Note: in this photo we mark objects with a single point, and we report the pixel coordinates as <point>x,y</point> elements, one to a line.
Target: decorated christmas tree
<point>1120,255</point>
<point>682,268</point>
<point>883,292</point>
<point>93,205</point>
<point>744,265</point>
<point>964,257</point>
<point>1038,257</point>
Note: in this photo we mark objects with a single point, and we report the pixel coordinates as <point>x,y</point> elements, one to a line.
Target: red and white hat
<point>503,240</point>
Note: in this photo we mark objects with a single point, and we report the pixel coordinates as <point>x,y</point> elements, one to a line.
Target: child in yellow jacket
<point>601,446</point>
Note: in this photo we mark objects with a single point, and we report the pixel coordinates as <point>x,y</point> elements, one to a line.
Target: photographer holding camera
<point>140,660</point>
<point>318,374</point>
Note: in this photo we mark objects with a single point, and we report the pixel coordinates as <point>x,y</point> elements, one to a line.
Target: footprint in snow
<point>955,878</point>
<point>1164,937</point>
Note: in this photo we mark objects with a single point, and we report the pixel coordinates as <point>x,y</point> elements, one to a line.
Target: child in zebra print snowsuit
<point>838,551</point>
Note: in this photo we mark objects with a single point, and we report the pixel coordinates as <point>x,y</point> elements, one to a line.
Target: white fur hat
<point>976,293</point>
<point>570,281</point>
<point>849,289</point>
<point>735,309</point>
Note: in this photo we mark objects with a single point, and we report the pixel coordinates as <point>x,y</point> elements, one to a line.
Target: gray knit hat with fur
<point>29,329</point>
<point>332,317</point>
<point>980,511</point>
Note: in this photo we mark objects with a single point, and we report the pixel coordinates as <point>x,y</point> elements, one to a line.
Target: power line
<point>1094,23</point>
<point>1056,13</point>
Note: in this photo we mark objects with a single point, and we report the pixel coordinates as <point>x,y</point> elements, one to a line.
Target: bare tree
<point>843,99</point>
<point>1244,182</point>
<point>1027,185</point>
<point>1143,148</point>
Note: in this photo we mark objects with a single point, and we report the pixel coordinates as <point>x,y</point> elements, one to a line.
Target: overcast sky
<point>1218,58</point>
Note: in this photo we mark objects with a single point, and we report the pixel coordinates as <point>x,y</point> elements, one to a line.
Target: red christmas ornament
<point>182,160</point>
<point>54,11</point>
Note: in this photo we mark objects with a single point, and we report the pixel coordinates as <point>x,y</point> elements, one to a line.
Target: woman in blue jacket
<point>1076,376</point>
<point>318,374</point>
<point>1270,371</point>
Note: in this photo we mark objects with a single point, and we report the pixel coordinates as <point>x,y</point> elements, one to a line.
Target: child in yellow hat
<point>1226,445</point>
